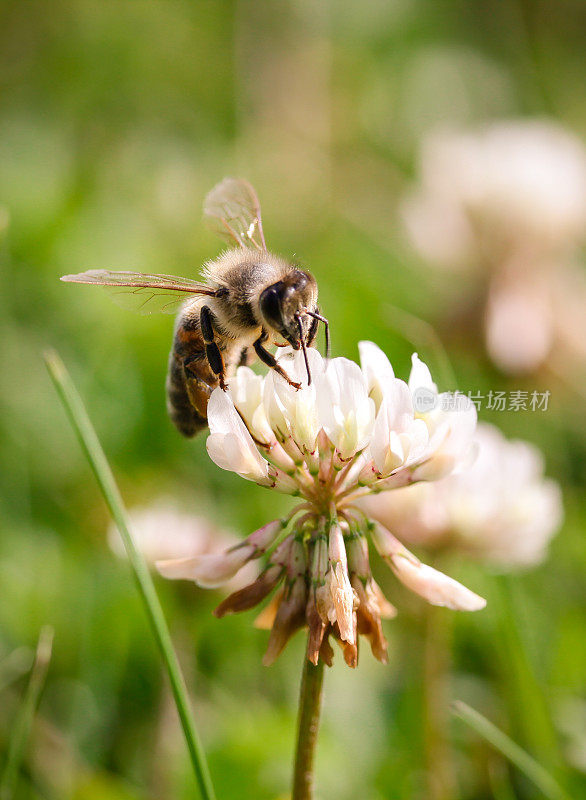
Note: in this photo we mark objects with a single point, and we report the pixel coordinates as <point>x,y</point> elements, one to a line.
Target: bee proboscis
<point>248,296</point>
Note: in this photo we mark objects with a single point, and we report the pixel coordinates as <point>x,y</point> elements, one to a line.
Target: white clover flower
<point>489,189</point>
<point>509,201</point>
<point>353,431</point>
<point>501,509</point>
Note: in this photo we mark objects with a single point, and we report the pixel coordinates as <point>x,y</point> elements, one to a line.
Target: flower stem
<point>310,698</point>
<point>440,773</point>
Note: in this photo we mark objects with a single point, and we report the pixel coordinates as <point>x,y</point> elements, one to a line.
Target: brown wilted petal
<point>349,649</point>
<point>290,617</point>
<point>251,595</point>
<point>317,629</point>
<point>266,618</point>
<point>326,651</point>
<point>336,599</point>
<point>351,653</point>
<point>369,619</point>
<point>386,609</point>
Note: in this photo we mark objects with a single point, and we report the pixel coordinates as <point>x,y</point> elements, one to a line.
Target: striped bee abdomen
<point>189,381</point>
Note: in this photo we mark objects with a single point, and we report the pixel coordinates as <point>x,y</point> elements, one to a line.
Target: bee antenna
<point>319,317</point>
<point>303,347</point>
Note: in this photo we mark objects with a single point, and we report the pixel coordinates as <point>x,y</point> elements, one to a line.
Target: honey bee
<point>248,297</point>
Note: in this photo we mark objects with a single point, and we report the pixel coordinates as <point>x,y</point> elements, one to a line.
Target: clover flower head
<point>354,431</point>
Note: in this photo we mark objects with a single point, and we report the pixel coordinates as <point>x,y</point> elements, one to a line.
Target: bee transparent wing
<point>232,210</point>
<point>147,294</point>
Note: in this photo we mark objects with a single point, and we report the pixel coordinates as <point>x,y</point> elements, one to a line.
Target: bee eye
<point>270,307</point>
<point>300,281</point>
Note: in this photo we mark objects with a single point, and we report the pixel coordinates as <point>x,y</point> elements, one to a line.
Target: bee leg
<point>269,359</point>
<point>317,317</point>
<point>213,352</point>
<point>312,332</point>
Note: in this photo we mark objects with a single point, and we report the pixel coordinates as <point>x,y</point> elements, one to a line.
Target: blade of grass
<point>549,787</point>
<point>92,448</point>
<point>26,713</point>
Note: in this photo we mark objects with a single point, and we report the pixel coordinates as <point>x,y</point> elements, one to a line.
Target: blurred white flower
<point>353,431</point>
<point>501,509</point>
<point>508,201</point>
<point>516,181</point>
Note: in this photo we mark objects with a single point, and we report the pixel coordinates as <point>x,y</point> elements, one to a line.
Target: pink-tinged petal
<point>209,570</point>
<point>264,537</point>
<point>386,544</point>
<point>435,587</point>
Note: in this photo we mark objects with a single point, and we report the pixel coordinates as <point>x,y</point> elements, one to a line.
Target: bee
<point>248,298</point>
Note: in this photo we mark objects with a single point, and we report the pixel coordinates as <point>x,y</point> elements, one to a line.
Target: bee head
<point>289,308</point>
<point>283,306</point>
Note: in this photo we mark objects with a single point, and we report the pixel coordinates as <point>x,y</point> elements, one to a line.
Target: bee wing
<point>232,210</point>
<point>140,292</point>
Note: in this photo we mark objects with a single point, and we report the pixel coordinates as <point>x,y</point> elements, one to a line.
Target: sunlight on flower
<point>353,432</point>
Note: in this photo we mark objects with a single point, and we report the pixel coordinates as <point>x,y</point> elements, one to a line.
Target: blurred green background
<point>116,118</point>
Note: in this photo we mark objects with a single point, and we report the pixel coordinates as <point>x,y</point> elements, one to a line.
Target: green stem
<point>310,698</point>
<point>441,783</point>
<point>93,450</point>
